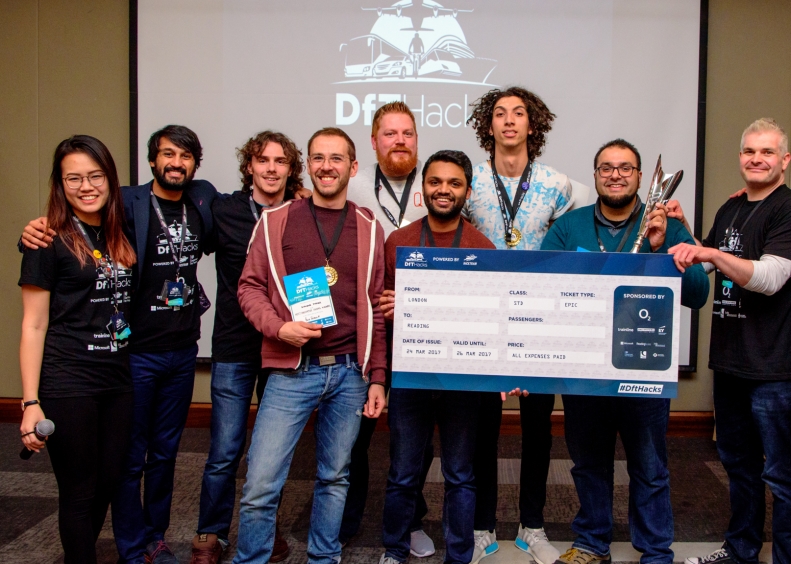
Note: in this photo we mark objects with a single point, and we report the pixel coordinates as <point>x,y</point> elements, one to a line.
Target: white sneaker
<point>485,545</point>
<point>420,544</point>
<point>388,560</point>
<point>536,544</point>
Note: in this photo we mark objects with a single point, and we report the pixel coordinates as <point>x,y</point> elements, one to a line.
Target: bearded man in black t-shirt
<point>749,245</point>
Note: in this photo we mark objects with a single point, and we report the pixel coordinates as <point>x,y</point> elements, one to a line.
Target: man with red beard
<point>386,188</point>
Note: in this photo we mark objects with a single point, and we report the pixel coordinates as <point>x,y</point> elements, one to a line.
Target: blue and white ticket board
<point>543,321</point>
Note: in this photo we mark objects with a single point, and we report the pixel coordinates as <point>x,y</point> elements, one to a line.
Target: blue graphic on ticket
<point>545,321</point>
<point>309,297</point>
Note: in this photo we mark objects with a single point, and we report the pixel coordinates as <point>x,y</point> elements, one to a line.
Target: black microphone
<point>43,429</point>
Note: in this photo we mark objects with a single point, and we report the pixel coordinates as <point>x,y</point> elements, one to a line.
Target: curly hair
<point>537,112</point>
<point>255,146</point>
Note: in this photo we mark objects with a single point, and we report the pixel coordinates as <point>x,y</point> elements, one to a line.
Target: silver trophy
<point>661,190</point>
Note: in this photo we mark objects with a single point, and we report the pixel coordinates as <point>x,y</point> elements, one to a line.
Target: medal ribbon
<point>329,247</point>
<point>164,225</point>
<point>112,264</point>
<point>507,208</point>
<point>427,237</point>
<point>381,179</point>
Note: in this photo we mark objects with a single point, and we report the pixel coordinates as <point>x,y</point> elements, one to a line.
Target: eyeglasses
<point>605,171</point>
<point>334,160</point>
<point>96,180</point>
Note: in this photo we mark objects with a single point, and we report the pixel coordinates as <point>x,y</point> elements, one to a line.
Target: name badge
<point>118,327</point>
<point>174,294</point>
<point>309,297</point>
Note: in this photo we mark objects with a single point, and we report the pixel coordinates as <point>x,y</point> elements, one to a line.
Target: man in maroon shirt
<point>412,414</point>
<point>338,370</point>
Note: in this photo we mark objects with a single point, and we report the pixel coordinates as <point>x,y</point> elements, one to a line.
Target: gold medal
<point>516,236</point>
<point>332,275</point>
<point>97,253</point>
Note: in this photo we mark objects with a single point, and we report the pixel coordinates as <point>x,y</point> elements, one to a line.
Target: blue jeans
<point>754,419</point>
<point>162,395</point>
<point>338,392</point>
<point>412,415</point>
<point>232,385</point>
<point>592,424</point>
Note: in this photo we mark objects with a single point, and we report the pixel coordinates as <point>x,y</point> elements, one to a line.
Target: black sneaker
<point>719,556</point>
<point>158,552</point>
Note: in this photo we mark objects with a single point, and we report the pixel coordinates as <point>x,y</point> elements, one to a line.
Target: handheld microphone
<point>43,429</point>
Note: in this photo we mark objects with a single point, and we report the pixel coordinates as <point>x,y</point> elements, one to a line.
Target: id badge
<point>118,327</point>
<point>174,294</point>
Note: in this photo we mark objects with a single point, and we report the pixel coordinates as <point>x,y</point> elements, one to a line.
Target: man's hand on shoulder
<point>37,235</point>
<point>376,401</point>
<point>302,193</point>
<point>297,333</point>
<point>387,304</point>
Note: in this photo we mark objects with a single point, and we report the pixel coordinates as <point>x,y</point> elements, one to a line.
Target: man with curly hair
<point>514,200</point>
<point>271,167</point>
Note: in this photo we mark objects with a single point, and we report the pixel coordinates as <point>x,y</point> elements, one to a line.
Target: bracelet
<point>26,434</point>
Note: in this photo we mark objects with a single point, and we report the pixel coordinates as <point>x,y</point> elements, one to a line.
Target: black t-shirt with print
<point>157,326</point>
<point>751,332</point>
<point>79,356</point>
<point>233,339</point>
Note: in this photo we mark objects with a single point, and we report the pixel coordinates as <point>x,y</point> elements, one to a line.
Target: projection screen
<point>606,68</point>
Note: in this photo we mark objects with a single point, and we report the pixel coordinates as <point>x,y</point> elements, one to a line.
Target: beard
<point>161,178</point>
<point>617,202</point>
<point>450,213</point>
<point>397,162</point>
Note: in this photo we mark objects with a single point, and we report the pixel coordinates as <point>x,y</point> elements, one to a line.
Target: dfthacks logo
<point>398,50</point>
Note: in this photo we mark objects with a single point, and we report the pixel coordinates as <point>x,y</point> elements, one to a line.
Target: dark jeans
<point>754,420</point>
<point>412,415</point>
<point>162,395</point>
<point>232,386</point>
<point>592,424</point>
<point>535,415</point>
<point>87,455</point>
<point>359,473</point>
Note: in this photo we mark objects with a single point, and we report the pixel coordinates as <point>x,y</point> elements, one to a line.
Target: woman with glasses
<point>73,355</point>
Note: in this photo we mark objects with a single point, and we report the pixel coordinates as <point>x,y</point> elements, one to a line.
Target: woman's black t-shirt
<point>79,356</point>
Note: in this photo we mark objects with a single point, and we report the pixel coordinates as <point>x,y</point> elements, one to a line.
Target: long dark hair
<point>60,213</point>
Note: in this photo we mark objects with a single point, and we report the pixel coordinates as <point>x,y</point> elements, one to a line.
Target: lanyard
<point>729,231</point>
<point>627,231</point>
<point>164,225</point>
<point>508,209</point>
<point>381,179</point>
<point>253,208</point>
<point>98,255</point>
<point>329,247</point>
<point>427,237</point>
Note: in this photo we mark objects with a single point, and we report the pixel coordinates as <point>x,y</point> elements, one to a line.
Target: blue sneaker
<point>485,545</point>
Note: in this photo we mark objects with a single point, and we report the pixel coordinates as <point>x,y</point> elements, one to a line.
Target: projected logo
<point>398,50</point>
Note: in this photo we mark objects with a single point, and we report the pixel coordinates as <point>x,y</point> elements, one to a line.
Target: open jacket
<point>263,300</point>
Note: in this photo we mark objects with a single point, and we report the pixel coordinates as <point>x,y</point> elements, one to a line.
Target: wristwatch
<point>27,403</point>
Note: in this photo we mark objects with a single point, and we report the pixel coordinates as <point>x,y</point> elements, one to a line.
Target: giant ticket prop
<point>544,321</point>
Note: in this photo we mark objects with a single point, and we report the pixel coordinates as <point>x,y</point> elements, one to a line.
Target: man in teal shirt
<point>592,422</point>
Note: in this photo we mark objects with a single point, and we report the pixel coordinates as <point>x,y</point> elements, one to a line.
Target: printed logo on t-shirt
<point>190,245</point>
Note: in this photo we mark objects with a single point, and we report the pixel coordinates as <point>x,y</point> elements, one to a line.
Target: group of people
<point>112,308</point>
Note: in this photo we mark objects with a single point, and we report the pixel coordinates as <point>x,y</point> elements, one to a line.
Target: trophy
<point>661,190</point>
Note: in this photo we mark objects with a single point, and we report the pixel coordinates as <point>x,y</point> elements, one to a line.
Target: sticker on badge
<point>97,253</point>
<point>642,333</point>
